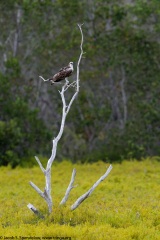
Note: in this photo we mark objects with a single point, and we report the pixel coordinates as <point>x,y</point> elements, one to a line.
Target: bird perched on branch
<point>62,74</point>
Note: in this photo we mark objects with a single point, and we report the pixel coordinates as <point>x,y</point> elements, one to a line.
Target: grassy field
<point>125,206</point>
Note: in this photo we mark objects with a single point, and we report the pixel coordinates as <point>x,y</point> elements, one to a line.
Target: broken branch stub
<point>34,210</point>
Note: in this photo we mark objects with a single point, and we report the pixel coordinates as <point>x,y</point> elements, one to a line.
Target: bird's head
<point>71,65</point>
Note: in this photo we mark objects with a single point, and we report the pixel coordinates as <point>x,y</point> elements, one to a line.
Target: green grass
<point>124,206</point>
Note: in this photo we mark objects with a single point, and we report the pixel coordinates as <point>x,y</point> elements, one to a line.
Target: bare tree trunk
<point>17,32</point>
<point>46,194</point>
<point>124,98</point>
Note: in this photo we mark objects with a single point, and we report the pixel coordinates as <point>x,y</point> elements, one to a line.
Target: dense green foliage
<point>22,133</point>
<point>117,112</point>
<point>125,206</point>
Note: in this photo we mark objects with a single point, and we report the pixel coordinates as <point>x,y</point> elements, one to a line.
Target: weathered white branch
<point>47,192</point>
<point>70,187</point>
<point>37,189</point>
<point>73,84</point>
<point>40,164</point>
<point>43,79</point>
<point>79,60</point>
<point>88,193</point>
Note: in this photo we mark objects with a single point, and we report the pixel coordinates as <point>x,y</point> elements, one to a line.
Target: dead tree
<point>46,194</point>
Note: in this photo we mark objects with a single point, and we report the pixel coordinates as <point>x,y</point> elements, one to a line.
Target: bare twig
<point>43,79</point>
<point>70,187</point>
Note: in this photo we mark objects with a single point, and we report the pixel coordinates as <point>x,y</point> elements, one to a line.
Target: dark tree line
<point>117,113</point>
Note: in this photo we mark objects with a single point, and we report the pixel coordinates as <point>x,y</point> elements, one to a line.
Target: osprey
<point>62,74</point>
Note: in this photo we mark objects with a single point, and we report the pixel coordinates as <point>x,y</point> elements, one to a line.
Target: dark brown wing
<point>61,75</point>
<point>63,68</point>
